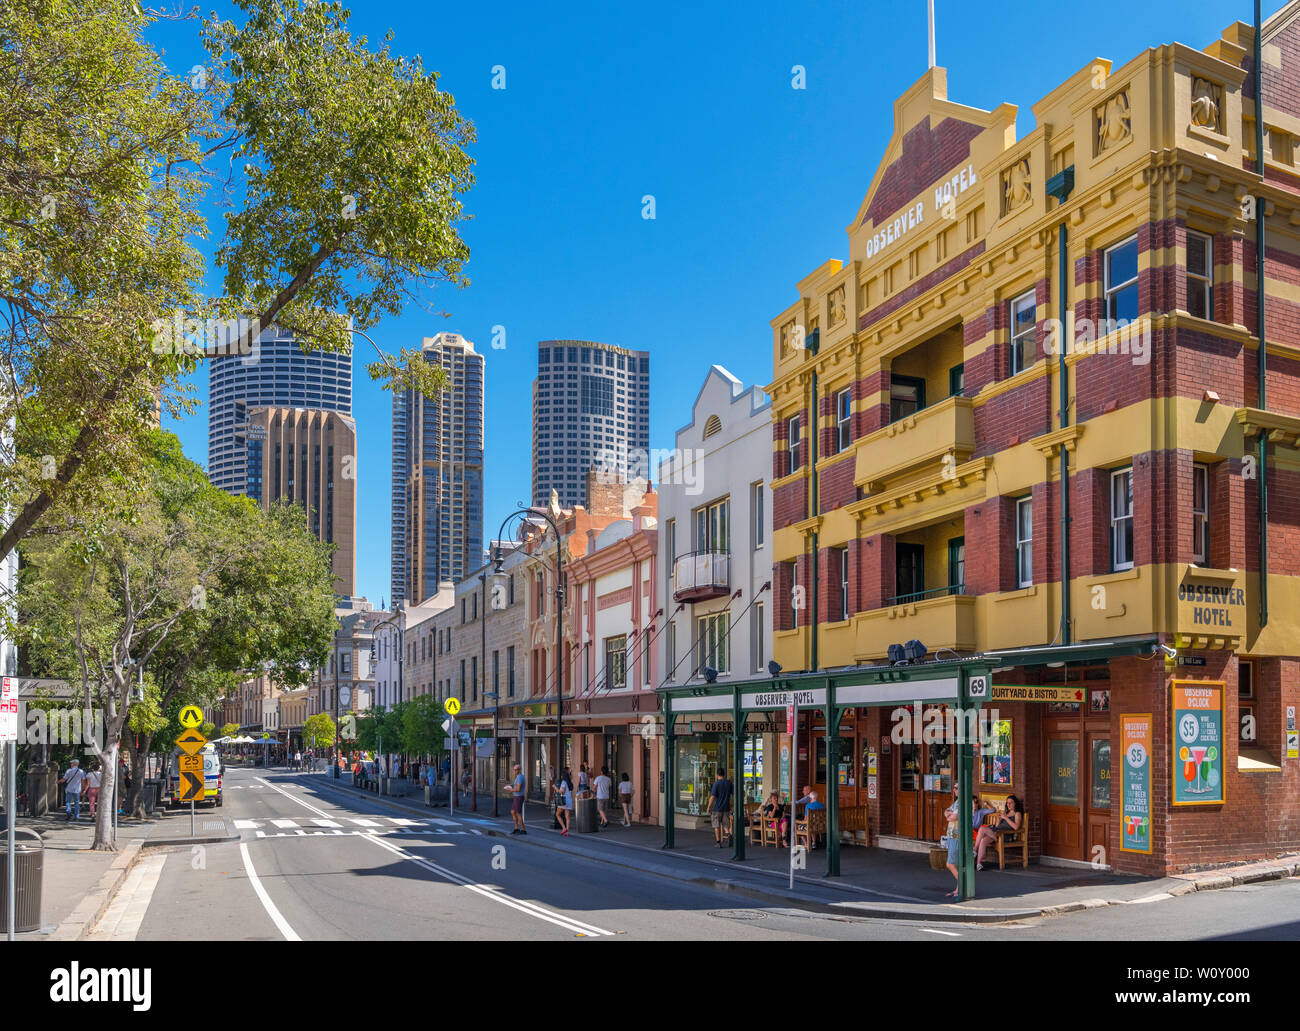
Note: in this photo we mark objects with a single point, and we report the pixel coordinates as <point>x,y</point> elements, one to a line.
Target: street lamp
<point>499,579</point>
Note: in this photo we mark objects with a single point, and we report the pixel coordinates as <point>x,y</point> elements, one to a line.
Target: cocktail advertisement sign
<point>1197,759</point>
<point>1135,752</point>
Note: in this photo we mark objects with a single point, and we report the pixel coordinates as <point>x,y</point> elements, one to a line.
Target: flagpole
<point>930,13</point>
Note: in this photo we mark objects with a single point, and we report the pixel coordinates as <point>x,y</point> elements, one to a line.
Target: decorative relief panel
<point>1017,186</point>
<point>835,308</point>
<point>1207,102</point>
<point>1113,121</point>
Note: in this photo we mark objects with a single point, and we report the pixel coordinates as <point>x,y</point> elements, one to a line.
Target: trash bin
<point>29,859</point>
<point>584,815</point>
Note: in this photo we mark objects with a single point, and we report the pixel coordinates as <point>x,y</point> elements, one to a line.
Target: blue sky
<point>753,181</point>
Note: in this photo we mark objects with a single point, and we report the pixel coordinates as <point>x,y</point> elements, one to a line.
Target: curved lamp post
<point>499,583</point>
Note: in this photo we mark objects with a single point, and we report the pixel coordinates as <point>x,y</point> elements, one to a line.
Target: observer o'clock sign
<point>1135,784</point>
<point>1198,745</point>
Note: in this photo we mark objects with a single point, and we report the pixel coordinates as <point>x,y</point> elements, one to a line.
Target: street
<point>316,864</point>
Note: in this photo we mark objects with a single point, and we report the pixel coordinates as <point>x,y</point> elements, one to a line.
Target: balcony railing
<point>702,575</point>
<point>933,592</point>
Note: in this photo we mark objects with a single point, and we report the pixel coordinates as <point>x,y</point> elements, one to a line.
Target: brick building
<point>1074,306</point>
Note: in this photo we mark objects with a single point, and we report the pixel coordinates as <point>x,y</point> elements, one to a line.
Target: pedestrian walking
<point>604,788</point>
<point>583,784</point>
<point>563,803</point>
<point>92,788</point>
<point>720,808</point>
<point>625,799</point>
<point>74,777</point>
<point>517,801</point>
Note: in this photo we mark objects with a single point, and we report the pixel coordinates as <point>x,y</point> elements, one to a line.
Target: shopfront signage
<point>1135,750</point>
<point>1038,693</point>
<point>942,689</point>
<point>725,727</point>
<point>1198,742</point>
<point>780,699</point>
<point>945,195</point>
<point>1216,607</point>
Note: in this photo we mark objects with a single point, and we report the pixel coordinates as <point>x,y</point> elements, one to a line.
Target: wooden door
<point>1063,819</point>
<point>940,759</point>
<point>907,790</point>
<point>1098,795</point>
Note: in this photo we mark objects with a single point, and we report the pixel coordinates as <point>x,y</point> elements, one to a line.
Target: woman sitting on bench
<point>1010,819</point>
<point>774,812</point>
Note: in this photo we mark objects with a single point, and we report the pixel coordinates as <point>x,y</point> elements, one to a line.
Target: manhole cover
<point>739,914</point>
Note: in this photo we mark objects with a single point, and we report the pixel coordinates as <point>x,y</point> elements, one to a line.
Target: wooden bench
<point>854,818</point>
<point>1008,841</point>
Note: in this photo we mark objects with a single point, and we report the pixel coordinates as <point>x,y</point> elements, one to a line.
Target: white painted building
<point>715,558</point>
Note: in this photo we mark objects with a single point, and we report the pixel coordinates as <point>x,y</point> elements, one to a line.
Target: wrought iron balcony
<point>702,575</point>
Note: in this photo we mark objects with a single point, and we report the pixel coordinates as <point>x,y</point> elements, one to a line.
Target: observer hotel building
<point>1023,425</point>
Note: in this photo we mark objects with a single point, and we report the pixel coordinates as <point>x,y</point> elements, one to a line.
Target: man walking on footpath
<point>603,788</point>
<point>720,808</point>
<point>517,801</point>
<point>73,779</point>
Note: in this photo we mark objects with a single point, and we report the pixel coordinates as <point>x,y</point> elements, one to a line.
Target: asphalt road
<point>313,864</point>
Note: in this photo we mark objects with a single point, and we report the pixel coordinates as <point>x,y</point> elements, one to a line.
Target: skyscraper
<point>280,428</point>
<point>590,401</point>
<point>276,375</point>
<point>438,474</point>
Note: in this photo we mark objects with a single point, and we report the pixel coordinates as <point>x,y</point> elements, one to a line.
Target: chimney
<point>604,497</point>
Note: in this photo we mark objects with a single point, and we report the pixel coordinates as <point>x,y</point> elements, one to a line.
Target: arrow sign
<point>191,786</point>
<point>190,742</point>
<point>191,716</point>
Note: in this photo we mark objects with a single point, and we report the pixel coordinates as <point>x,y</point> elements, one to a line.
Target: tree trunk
<point>106,806</point>
<point>139,757</point>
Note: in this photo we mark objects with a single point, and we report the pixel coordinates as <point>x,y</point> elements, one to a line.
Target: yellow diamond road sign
<point>452,705</point>
<point>191,716</point>
<point>190,742</point>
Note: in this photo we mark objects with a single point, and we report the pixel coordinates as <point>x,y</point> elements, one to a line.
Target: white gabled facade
<point>715,534</point>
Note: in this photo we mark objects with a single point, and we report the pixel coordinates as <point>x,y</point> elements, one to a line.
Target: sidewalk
<point>77,883</point>
<point>873,882</point>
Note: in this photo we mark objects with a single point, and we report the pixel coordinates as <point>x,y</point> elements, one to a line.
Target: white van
<point>212,773</point>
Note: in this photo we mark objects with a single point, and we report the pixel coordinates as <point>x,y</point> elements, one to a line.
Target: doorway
<point>923,782</point>
<point>1076,764</point>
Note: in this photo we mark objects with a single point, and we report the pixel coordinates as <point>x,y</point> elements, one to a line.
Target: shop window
<point>1121,519</point>
<point>1100,767</point>
<point>698,762</point>
<point>995,753</point>
<point>1023,323</point>
<point>1200,275</point>
<point>1025,542</point>
<point>1200,513</point>
<point>1063,771</point>
<point>1122,282</point>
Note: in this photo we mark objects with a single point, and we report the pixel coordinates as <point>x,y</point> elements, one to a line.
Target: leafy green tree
<point>422,726</point>
<point>318,731</point>
<point>96,610</point>
<point>230,730</point>
<point>351,164</point>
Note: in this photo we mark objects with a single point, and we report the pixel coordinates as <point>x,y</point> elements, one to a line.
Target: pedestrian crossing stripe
<point>434,823</point>
<point>381,832</point>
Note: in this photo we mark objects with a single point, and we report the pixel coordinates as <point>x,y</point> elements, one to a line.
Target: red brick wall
<point>868,413</point>
<point>872,573</point>
<point>990,546</point>
<point>927,156</point>
<point>835,486</point>
<point>789,503</point>
<point>1013,416</point>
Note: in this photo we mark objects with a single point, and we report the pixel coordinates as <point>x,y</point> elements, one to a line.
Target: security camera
<point>1171,653</point>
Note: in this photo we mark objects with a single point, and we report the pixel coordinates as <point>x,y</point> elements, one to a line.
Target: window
<point>1121,519</point>
<point>511,590</point>
<point>1025,542</point>
<point>995,751</point>
<point>1023,324</point>
<point>510,671</point>
<point>756,503</point>
<point>670,648</point>
<point>906,396</point>
<point>792,443</point>
<point>842,570</point>
<point>712,527</point>
<point>910,576</point>
<point>473,676</point>
<point>713,642</point>
<point>616,662</point>
<point>1200,513</point>
<point>672,544</point>
<point>957,380</point>
<point>1200,275</point>
<point>756,636</point>
<point>1122,282</point>
<point>843,413</point>
<point>796,595</point>
<point>956,565</point>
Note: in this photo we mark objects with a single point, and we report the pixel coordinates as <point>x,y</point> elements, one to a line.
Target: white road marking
<point>246,825</point>
<point>363,823</point>
<point>321,822</point>
<point>285,823</point>
<point>121,921</point>
<point>495,894</point>
<point>280,922</point>
<point>934,930</point>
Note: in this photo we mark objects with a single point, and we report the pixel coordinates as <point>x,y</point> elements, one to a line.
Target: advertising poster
<point>1135,747</point>
<point>1197,759</point>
